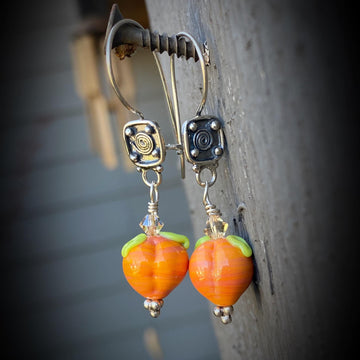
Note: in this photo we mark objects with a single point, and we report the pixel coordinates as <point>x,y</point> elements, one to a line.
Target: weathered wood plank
<point>270,80</point>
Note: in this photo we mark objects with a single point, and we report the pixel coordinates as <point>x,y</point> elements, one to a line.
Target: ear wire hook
<point>175,120</point>
<point>176,110</point>
<point>204,76</point>
<point>108,47</point>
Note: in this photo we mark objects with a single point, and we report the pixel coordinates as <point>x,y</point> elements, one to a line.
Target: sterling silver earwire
<point>203,137</point>
<point>147,150</point>
<point>175,120</point>
<point>110,72</point>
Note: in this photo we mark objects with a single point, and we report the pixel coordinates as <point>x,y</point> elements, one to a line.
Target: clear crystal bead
<point>151,224</point>
<point>215,227</point>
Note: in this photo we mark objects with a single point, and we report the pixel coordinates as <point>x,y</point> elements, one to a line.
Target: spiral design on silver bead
<point>144,143</point>
<point>203,140</point>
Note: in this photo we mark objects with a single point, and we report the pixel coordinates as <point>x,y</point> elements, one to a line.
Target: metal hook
<point>204,76</point>
<point>173,107</point>
<point>174,119</point>
<point>108,48</point>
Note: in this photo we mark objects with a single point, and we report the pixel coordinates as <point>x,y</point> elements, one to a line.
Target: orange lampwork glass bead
<point>156,265</point>
<point>220,271</point>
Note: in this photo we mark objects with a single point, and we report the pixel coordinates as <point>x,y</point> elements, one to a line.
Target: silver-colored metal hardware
<point>224,313</point>
<point>128,131</point>
<point>218,151</point>
<point>154,306</point>
<point>210,208</point>
<point>144,143</point>
<point>153,204</point>
<point>203,72</point>
<point>192,126</point>
<point>215,125</point>
<point>199,169</point>
<point>195,153</point>
<point>144,174</point>
<point>205,134</point>
<point>108,47</point>
<point>173,110</point>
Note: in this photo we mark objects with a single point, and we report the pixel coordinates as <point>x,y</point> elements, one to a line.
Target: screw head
<point>193,126</point>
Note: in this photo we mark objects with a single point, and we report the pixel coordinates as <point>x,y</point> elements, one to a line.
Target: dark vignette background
<point>337,26</point>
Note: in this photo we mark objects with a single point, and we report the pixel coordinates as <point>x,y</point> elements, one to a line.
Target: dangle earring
<point>221,267</point>
<point>154,262</point>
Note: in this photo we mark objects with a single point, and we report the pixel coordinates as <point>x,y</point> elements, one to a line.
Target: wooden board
<point>271,83</point>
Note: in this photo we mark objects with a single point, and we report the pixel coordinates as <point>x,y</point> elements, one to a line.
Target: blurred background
<point>69,199</point>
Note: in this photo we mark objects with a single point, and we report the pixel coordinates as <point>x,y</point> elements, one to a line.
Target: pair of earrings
<point>155,262</point>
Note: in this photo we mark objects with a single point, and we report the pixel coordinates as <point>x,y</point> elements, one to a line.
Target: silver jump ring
<point>108,48</point>
<point>206,183</point>
<point>151,183</point>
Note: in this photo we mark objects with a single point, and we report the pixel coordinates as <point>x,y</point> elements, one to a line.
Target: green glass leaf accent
<point>137,240</point>
<point>202,240</point>
<point>240,243</point>
<point>182,239</point>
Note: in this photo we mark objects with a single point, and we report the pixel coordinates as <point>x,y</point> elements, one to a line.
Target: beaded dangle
<point>221,267</point>
<point>154,262</point>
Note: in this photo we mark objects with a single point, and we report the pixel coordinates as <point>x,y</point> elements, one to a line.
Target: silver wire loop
<point>173,109</point>
<point>156,183</point>
<point>206,183</point>
<point>110,72</point>
<point>176,110</point>
<point>210,208</point>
